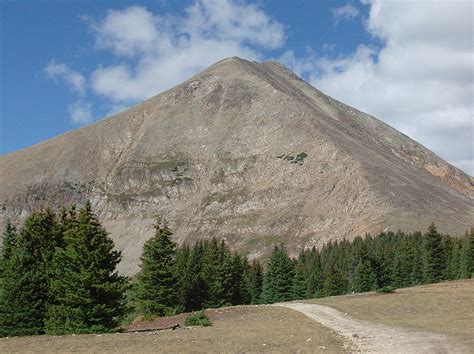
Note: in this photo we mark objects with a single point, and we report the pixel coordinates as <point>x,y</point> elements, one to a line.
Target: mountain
<point>247,152</point>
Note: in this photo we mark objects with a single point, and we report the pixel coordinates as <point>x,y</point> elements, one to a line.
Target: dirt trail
<point>364,336</point>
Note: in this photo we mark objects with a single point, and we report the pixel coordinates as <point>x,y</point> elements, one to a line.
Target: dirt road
<point>364,336</point>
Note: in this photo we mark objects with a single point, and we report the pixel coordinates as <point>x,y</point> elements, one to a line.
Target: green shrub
<point>198,319</point>
<point>386,289</point>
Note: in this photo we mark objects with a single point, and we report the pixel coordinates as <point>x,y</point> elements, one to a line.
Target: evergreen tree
<point>8,241</point>
<point>466,257</point>
<point>299,285</point>
<point>278,278</point>
<point>334,281</point>
<point>255,281</point>
<point>364,278</point>
<point>416,276</point>
<point>156,289</point>
<point>403,264</point>
<point>217,264</point>
<point>433,256</point>
<point>195,291</point>
<point>315,275</point>
<point>237,289</point>
<point>86,288</point>
<point>24,295</point>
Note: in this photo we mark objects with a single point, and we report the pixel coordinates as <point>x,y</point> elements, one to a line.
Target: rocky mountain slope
<point>243,151</point>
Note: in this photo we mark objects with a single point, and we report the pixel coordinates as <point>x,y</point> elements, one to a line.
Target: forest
<point>58,272</point>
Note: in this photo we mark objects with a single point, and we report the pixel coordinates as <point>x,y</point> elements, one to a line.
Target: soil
<point>235,329</point>
<point>446,308</point>
<point>368,337</point>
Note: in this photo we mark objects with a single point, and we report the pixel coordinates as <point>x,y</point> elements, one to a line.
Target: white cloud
<point>80,113</point>
<point>346,12</point>
<point>74,79</point>
<point>157,52</point>
<point>421,81</point>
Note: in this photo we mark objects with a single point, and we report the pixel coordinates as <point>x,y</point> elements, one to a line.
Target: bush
<point>198,319</point>
<point>386,289</point>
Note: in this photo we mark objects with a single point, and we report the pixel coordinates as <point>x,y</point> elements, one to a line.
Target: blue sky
<point>67,63</point>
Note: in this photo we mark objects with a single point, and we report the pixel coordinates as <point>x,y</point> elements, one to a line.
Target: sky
<point>68,63</point>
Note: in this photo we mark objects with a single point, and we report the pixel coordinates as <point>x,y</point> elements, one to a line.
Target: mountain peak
<point>246,152</point>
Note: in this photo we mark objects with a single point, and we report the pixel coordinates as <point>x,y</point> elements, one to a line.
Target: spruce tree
<point>364,278</point>
<point>334,282</point>
<point>8,241</point>
<point>403,264</point>
<point>255,281</point>
<point>466,257</point>
<point>416,276</point>
<point>217,264</point>
<point>24,295</point>
<point>433,256</point>
<point>195,291</point>
<point>278,278</point>
<point>86,288</point>
<point>156,290</point>
<point>315,275</point>
<point>299,285</point>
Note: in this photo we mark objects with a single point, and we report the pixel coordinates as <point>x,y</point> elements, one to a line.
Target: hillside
<point>243,151</point>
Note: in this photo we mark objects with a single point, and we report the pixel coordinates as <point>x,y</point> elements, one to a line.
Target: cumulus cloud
<point>346,12</point>
<point>158,51</point>
<point>75,80</point>
<point>80,113</point>
<point>421,80</point>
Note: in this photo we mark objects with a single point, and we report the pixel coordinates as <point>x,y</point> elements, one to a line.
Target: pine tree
<point>315,275</point>
<point>8,241</point>
<point>238,293</point>
<point>452,269</point>
<point>278,278</point>
<point>466,257</point>
<point>403,264</point>
<point>416,276</point>
<point>156,289</point>
<point>433,256</point>
<point>334,281</point>
<point>364,278</point>
<point>217,264</point>
<point>255,281</point>
<point>86,288</point>
<point>299,285</point>
<point>195,291</point>
<point>24,295</point>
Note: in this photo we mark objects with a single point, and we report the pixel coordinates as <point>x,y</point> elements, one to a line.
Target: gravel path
<point>366,337</point>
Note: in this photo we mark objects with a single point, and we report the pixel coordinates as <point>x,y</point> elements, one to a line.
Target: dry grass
<point>446,308</point>
<point>236,329</point>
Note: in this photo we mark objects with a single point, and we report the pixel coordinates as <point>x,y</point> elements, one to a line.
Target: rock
<point>236,153</point>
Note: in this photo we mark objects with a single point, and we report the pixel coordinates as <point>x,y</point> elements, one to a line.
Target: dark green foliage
<point>299,285</point>
<point>386,289</point>
<point>24,294</point>
<point>364,278</point>
<point>254,281</point>
<point>334,281</point>
<point>8,241</point>
<point>466,256</point>
<point>434,260</point>
<point>156,290</point>
<point>86,289</point>
<point>278,278</point>
<point>198,319</point>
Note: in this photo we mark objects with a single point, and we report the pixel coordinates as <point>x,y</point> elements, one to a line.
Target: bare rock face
<point>247,152</point>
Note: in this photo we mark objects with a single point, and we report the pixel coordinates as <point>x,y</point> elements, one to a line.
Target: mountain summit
<point>247,152</point>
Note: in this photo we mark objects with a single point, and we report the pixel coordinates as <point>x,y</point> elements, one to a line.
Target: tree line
<point>58,272</point>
